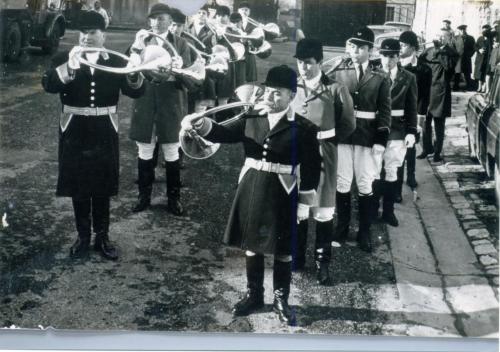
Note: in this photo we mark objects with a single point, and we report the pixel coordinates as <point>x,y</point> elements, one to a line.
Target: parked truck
<point>30,23</point>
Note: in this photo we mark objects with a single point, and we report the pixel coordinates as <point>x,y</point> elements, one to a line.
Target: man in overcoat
<point>269,200</point>
<point>442,59</point>
<point>409,61</point>
<point>465,45</point>
<point>88,132</point>
<point>328,105</point>
<point>403,124</point>
<point>360,154</point>
<point>157,114</point>
<point>247,27</point>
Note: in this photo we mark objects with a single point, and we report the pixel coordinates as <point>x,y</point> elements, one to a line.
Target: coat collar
<point>283,124</point>
<point>399,78</point>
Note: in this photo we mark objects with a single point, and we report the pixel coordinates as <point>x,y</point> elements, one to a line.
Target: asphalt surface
<point>174,274</point>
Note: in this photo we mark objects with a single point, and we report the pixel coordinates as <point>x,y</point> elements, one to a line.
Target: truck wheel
<point>12,43</point>
<point>53,41</point>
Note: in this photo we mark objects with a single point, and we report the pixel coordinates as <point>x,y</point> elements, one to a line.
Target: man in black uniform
<point>263,218</point>
<point>360,155</point>
<point>88,134</point>
<point>409,61</point>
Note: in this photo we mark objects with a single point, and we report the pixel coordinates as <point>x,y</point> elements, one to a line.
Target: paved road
<point>425,278</point>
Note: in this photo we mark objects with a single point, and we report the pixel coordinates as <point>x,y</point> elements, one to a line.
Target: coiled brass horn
<point>195,146</point>
<point>271,30</point>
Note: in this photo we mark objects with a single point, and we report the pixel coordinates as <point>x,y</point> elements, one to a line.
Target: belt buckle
<point>86,111</point>
<point>258,164</point>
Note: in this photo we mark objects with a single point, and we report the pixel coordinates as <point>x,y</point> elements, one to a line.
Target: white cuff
<point>62,72</point>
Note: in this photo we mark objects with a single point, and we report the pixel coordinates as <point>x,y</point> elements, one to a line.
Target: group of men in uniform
<point>305,141</point>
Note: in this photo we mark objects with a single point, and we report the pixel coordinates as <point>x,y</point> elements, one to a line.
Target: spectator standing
<point>465,45</point>
<point>483,49</point>
<point>100,10</point>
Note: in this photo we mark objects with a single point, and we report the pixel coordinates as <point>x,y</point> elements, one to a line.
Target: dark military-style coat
<point>263,216</point>
<point>442,62</point>
<point>423,74</point>
<point>329,106</point>
<point>465,47</point>
<point>250,60</point>
<point>481,61</point>
<point>88,145</point>
<point>373,95</point>
<point>403,99</point>
<point>163,105</point>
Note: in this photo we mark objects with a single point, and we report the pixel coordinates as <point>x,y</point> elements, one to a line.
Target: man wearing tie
<point>360,155</point>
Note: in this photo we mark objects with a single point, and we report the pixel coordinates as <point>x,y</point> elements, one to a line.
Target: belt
<point>87,111</point>
<point>397,113</point>
<point>369,115</point>
<point>267,166</point>
<point>326,134</point>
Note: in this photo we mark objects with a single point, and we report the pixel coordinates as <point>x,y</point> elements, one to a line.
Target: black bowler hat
<point>389,46</point>
<point>159,9</point>
<point>235,17</point>
<point>363,36</point>
<point>462,26</point>
<point>177,16</point>
<point>91,20</point>
<point>409,38</point>
<point>282,77</point>
<point>243,4</point>
<point>309,47</point>
<point>222,11</point>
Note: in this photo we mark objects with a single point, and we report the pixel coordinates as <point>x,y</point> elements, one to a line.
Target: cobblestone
<point>492,272</point>
<point>465,211</point>
<point>487,260</point>
<point>495,280</point>
<point>485,249</point>
<point>469,217</point>
<point>461,205</point>
<point>472,224</point>
<point>451,184</point>
<point>458,199</point>
<point>478,233</point>
<point>480,242</point>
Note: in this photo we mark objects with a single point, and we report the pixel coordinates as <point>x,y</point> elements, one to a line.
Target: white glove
<point>262,109</point>
<point>302,212</point>
<point>377,149</point>
<point>410,140</point>
<point>73,60</point>
<point>187,121</point>
<point>135,60</point>
<point>140,38</point>
<point>177,62</point>
<point>220,31</point>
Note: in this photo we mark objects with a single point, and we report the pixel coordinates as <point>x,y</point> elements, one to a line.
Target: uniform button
<point>264,153</point>
<point>92,84</point>
<point>356,92</point>
<point>265,146</point>
<point>92,98</point>
<point>91,105</point>
<point>264,159</point>
<point>92,91</point>
<point>355,106</point>
<point>267,139</point>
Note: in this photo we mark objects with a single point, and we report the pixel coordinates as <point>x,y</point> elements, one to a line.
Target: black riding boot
<point>100,215</point>
<point>282,277</point>
<point>81,208</point>
<point>299,254</point>
<point>365,219</point>
<point>390,189</point>
<point>324,235</point>
<point>343,201</point>
<point>146,171</point>
<point>173,172</point>
<point>254,298</point>
<point>399,184</point>
<point>378,192</point>
<point>411,154</point>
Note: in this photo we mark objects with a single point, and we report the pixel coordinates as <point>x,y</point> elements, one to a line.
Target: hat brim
<point>156,13</point>
<point>357,41</point>
<point>385,51</point>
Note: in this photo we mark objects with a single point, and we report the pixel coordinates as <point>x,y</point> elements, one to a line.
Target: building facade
<point>400,11</point>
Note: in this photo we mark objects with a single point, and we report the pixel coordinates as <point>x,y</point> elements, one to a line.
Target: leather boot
<point>390,189</point>
<point>323,251</point>
<point>146,173</point>
<point>299,251</point>
<point>378,192</point>
<point>282,277</point>
<point>173,173</point>
<point>100,215</point>
<point>365,220</point>
<point>81,246</point>
<point>410,168</point>
<point>182,164</point>
<point>398,198</point>
<point>254,298</point>
<point>343,202</point>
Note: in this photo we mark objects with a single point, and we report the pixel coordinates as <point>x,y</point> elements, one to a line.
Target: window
<point>389,14</point>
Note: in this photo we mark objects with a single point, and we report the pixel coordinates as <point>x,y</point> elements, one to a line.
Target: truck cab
<point>34,22</point>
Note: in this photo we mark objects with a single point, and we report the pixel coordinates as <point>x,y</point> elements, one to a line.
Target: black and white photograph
<point>314,167</point>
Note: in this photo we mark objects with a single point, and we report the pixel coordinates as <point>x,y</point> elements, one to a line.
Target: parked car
<point>401,26</point>
<point>382,36</point>
<point>483,125</point>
